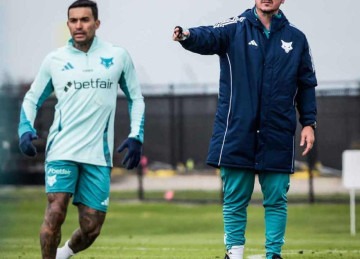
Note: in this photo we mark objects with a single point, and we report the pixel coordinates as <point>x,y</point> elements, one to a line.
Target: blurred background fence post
<point>172,126</point>
<point>351,180</point>
<point>140,176</point>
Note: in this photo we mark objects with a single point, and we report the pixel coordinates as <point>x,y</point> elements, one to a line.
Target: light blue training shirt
<point>86,87</point>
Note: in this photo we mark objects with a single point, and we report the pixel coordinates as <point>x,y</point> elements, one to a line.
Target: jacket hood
<point>277,22</point>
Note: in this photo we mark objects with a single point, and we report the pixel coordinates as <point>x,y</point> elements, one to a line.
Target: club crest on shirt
<point>287,46</point>
<point>107,62</point>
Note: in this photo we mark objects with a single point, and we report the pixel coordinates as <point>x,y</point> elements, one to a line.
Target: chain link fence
<point>178,127</point>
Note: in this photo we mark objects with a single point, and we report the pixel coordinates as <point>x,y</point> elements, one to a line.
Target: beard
<point>268,7</point>
<point>269,11</point>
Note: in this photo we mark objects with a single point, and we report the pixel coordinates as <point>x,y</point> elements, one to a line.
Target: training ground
<point>189,224</point>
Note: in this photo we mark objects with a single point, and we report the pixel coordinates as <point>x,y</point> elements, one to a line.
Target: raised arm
<point>207,40</point>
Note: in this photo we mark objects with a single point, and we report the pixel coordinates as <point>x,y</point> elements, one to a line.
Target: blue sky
<point>31,29</point>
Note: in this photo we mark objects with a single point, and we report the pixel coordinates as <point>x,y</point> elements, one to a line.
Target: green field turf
<point>169,230</point>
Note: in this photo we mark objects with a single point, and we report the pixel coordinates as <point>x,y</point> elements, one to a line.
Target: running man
<point>84,76</point>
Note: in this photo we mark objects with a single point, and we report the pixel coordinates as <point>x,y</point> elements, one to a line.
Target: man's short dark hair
<point>85,3</point>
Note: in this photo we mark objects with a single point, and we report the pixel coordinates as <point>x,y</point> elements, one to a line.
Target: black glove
<point>134,152</point>
<point>26,145</point>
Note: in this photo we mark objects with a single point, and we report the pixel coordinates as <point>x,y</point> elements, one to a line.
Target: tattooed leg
<point>50,232</point>
<point>91,222</point>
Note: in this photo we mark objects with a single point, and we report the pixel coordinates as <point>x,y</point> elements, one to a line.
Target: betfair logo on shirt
<point>98,83</point>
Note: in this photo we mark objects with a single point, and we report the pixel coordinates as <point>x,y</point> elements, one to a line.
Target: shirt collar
<point>266,31</point>
<point>93,46</point>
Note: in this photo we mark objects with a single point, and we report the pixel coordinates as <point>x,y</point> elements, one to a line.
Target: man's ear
<point>97,24</point>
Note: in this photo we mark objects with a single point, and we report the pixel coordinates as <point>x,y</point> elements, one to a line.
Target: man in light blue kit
<point>84,76</point>
<point>266,72</point>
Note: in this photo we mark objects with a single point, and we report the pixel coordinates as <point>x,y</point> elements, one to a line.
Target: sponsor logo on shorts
<point>58,171</point>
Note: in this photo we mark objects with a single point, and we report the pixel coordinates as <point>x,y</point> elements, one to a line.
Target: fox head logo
<point>107,62</point>
<point>287,46</point>
<point>51,180</point>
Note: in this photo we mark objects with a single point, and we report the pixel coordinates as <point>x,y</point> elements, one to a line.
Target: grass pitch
<point>167,230</point>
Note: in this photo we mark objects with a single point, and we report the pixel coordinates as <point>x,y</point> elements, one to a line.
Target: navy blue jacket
<point>262,82</point>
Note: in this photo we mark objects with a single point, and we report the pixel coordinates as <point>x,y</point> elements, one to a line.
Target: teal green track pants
<point>238,186</point>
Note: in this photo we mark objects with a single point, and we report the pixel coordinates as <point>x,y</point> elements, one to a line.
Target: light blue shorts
<point>89,184</point>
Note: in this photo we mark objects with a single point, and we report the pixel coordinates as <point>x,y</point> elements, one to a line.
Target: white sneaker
<point>236,252</point>
<point>64,252</point>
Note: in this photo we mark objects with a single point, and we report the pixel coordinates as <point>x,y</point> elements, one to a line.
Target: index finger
<point>308,148</point>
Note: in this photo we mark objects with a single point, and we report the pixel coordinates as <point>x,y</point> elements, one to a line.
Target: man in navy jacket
<point>266,72</point>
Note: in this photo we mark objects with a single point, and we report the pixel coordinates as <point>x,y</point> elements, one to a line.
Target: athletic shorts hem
<point>90,206</point>
<point>58,191</point>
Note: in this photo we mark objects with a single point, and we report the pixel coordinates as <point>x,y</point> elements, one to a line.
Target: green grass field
<point>168,230</point>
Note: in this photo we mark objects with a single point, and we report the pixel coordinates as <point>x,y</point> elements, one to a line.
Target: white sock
<point>236,252</point>
<point>64,252</point>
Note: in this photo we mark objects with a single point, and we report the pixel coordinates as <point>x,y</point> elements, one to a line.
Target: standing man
<point>266,71</point>
<point>84,76</point>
